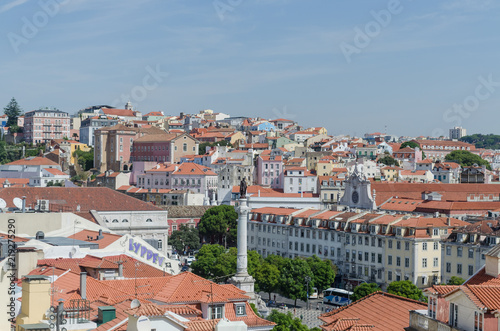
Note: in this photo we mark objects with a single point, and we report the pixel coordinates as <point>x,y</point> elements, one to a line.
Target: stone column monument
<point>242,279</point>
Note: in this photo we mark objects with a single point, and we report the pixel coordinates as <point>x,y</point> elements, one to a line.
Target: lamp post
<point>307,279</point>
<point>348,288</point>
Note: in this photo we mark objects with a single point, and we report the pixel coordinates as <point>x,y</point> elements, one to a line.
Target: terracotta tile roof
<point>33,161</point>
<point>441,289</point>
<point>269,192</point>
<point>408,205</point>
<point>187,287</point>
<point>67,199</point>
<point>193,169</point>
<point>164,137</point>
<point>118,112</point>
<point>382,310</point>
<point>146,287</point>
<point>481,278</point>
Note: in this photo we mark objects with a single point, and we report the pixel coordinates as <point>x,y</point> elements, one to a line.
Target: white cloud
<point>11,5</point>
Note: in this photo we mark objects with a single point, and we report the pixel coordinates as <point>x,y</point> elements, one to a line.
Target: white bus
<point>314,293</point>
<point>337,296</point>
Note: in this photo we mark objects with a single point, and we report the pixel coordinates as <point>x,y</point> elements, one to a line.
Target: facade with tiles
<point>369,247</point>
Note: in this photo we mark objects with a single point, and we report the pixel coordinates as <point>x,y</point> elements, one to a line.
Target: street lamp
<point>307,279</point>
<point>348,288</point>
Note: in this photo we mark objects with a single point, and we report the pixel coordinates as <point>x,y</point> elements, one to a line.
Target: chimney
<point>100,236</point>
<point>448,221</point>
<point>120,269</point>
<point>83,285</point>
<point>24,204</point>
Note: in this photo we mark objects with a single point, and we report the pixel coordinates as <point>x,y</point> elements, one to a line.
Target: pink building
<point>41,126</point>
<point>164,147</point>
<point>270,171</point>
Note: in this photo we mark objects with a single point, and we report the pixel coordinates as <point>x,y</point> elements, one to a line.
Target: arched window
<point>115,221</point>
<point>125,220</point>
<point>149,220</point>
<point>160,244</point>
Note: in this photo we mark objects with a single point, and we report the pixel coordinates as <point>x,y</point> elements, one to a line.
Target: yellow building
<point>390,174</point>
<point>36,301</point>
<point>70,146</point>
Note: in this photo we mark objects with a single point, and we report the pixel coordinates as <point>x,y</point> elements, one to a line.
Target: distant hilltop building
<point>457,132</point>
<point>43,125</point>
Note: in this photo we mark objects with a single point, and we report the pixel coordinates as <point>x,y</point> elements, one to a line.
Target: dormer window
<point>240,310</point>
<point>398,231</point>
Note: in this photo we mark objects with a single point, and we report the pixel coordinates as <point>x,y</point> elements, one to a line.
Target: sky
<point>398,67</point>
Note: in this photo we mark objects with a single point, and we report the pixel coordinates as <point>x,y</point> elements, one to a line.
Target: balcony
<point>420,321</point>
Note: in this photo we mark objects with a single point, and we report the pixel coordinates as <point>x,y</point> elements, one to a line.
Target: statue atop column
<point>243,188</point>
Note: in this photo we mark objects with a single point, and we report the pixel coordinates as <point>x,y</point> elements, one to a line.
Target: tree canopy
<point>488,141</point>
<point>455,280</point>
<point>292,280</point>
<point>203,146</point>
<point>388,160</point>
<point>286,322</point>
<point>215,261</point>
<point>267,277</point>
<point>185,238</point>
<point>13,111</point>
<point>411,144</point>
<point>466,159</point>
<point>406,289</point>
<point>323,272</point>
<point>219,222</point>
<point>85,159</point>
<point>364,289</point>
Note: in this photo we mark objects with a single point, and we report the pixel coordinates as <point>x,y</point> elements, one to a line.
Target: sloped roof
<point>118,112</point>
<point>33,161</point>
<point>386,312</point>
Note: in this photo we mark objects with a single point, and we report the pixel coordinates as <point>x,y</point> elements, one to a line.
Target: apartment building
<point>90,124</point>
<point>270,171</point>
<point>43,125</point>
<point>438,149</point>
<point>164,147</point>
<point>463,252</point>
<point>371,247</point>
<point>299,179</point>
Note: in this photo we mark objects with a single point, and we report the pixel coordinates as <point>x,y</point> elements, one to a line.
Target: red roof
<point>118,112</point>
<point>34,161</point>
<point>56,172</point>
<point>382,310</point>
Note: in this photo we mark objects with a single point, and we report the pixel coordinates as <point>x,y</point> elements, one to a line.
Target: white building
<point>457,132</point>
<point>299,179</point>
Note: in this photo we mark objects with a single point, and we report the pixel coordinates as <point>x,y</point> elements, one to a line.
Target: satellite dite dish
<point>134,304</point>
<point>73,252</point>
<point>143,324</point>
<point>3,204</point>
<point>18,203</point>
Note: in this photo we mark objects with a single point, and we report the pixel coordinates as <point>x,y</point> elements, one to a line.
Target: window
<point>115,221</point>
<point>389,276</point>
<point>471,253</point>
<point>436,245</point>
<point>453,314</point>
<point>471,270</point>
<point>398,261</point>
<point>390,243</point>
<point>125,220</point>
<point>432,307</point>
<point>407,262</point>
<point>379,258</point>
<point>373,257</point>
<point>398,244</point>
<point>407,246</point>
<point>448,267</point>
<point>216,312</point>
<point>150,220</point>
<point>435,232</point>
<point>424,246</point>
<point>459,268</point>
<point>389,260</point>
<point>435,262</point>
<point>240,310</point>
<point>478,321</point>
<point>160,244</point>
<point>424,262</point>
<point>448,250</point>
<point>459,251</point>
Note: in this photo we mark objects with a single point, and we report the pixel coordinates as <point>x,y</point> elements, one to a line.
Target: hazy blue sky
<point>305,60</point>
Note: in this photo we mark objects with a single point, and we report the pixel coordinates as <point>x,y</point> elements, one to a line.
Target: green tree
<point>13,111</point>
<point>455,280</point>
<point>219,223</point>
<point>363,289</point>
<point>406,289</point>
<point>85,159</point>
<point>3,153</point>
<point>466,159</point>
<point>488,141</point>
<point>268,278</point>
<point>185,238</point>
<point>277,260</point>
<point>411,144</point>
<point>286,322</point>
<point>388,160</point>
<point>292,280</point>
<point>203,146</point>
<point>323,272</point>
<point>215,261</point>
